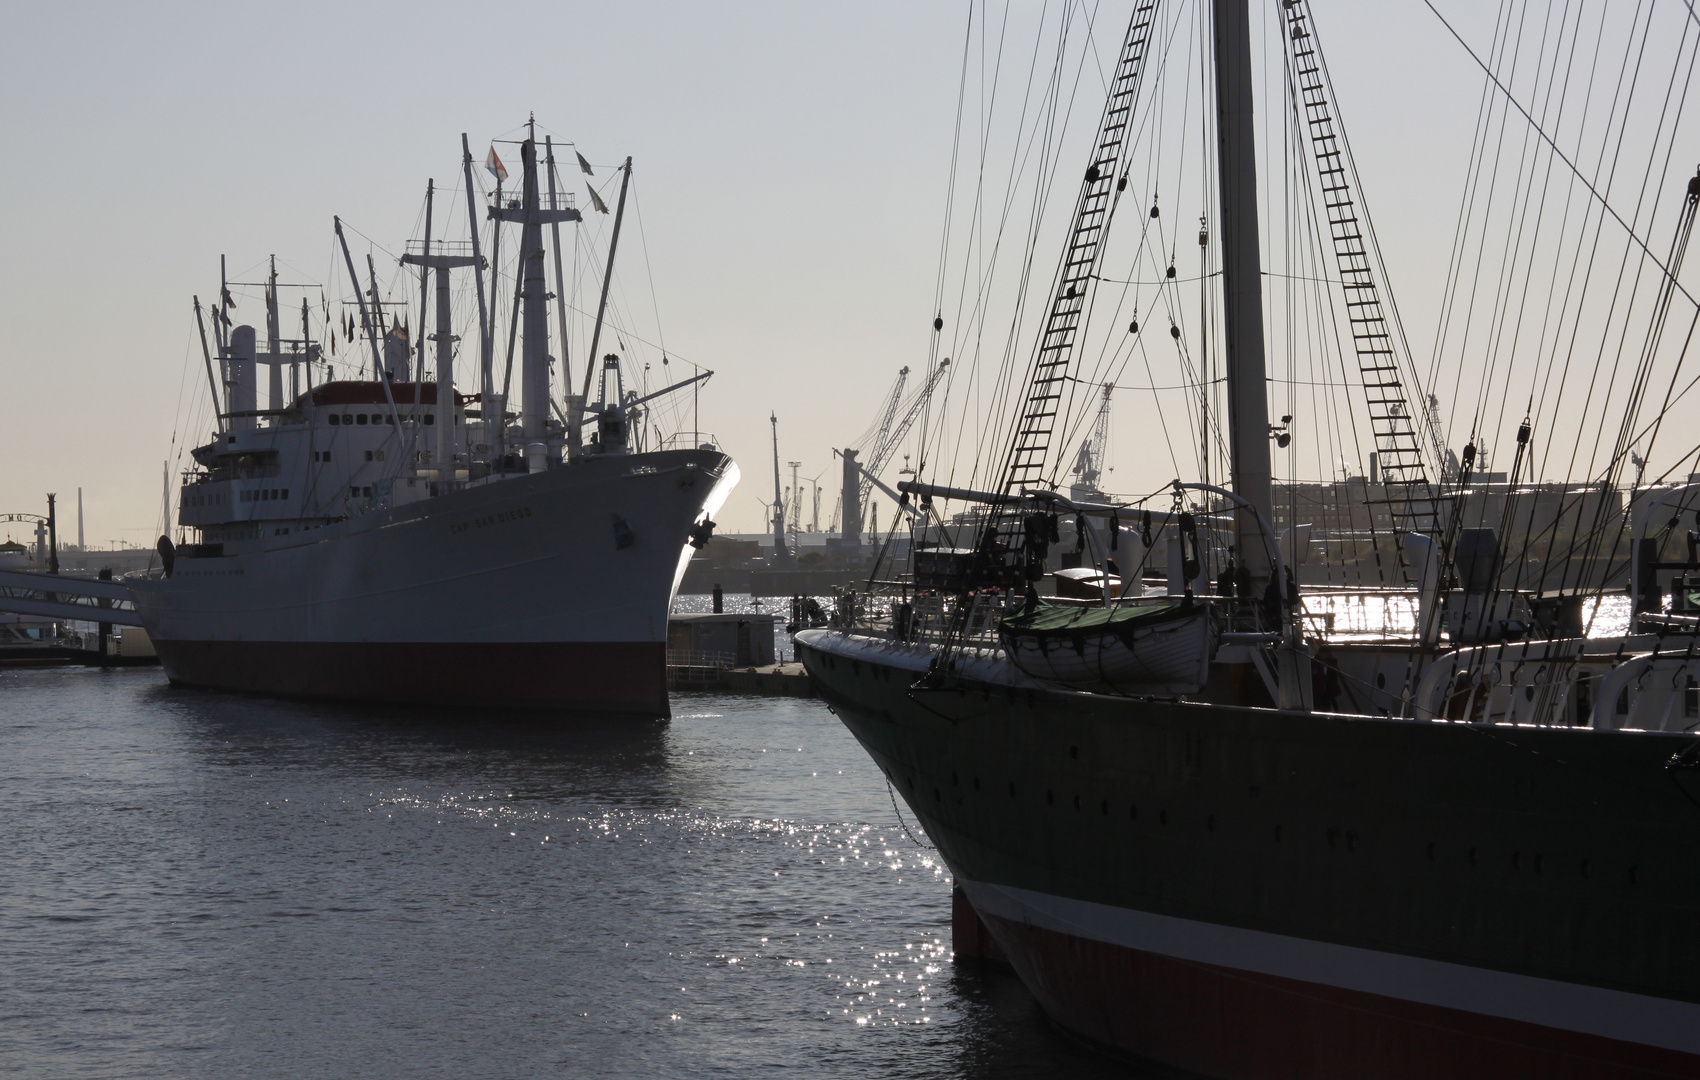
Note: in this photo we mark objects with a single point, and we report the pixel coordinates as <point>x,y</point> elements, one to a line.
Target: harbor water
<point>200,884</point>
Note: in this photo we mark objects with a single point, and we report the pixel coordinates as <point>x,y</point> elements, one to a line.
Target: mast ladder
<point>1035,423</point>
<point>1399,451</point>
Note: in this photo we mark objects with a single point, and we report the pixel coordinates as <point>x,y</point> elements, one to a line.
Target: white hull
<point>586,554</point>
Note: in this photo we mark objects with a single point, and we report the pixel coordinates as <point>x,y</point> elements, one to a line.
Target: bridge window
<point>360,418</point>
<point>284,494</point>
<point>335,419</point>
<point>430,419</point>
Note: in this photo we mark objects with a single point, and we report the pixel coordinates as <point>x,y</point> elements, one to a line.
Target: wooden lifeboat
<point>1161,647</point>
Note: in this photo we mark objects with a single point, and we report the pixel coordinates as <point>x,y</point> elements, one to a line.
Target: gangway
<point>60,596</point>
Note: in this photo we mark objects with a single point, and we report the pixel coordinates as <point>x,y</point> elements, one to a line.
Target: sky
<point>791,162</point>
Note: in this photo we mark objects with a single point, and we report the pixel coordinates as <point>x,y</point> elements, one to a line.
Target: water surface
<point>205,884</point>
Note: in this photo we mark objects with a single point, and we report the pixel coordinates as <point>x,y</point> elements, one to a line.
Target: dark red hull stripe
<point>1224,1021</point>
<point>600,677</point>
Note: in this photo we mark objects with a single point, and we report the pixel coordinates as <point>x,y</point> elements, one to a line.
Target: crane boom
<point>1089,460</point>
<point>880,444</point>
<point>891,437</point>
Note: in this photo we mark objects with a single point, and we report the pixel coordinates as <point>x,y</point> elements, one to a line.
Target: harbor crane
<point>880,444</point>
<point>1088,467</point>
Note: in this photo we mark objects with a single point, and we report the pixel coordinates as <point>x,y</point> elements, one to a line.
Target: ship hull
<point>1247,893</point>
<point>623,677</point>
<point>549,591</point>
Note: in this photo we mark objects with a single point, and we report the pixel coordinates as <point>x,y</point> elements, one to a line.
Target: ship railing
<point>1359,613</point>
<point>461,248</point>
<point>931,619</point>
<point>703,658</point>
<point>689,440</point>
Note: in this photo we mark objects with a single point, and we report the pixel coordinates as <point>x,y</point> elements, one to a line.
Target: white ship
<point>393,540</point>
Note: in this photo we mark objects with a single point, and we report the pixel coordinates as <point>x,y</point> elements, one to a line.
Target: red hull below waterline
<point>628,678</point>
<point>1224,1022</point>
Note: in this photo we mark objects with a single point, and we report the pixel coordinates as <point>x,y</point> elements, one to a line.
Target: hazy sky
<point>791,162</point>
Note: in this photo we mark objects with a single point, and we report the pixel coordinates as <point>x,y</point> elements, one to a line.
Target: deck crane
<point>1089,459</point>
<point>880,444</point>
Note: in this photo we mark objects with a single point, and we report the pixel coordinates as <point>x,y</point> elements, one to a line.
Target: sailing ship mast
<point>1242,291</point>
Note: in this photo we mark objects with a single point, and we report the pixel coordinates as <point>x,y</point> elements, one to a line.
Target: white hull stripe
<point>1613,1014</point>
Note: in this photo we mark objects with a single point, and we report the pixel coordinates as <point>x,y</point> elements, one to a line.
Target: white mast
<point>607,276</point>
<point>534,372</point>
<point>534,362</point>
<point>274,341</point>
<point>560,281</point>
<point>485,353</point>
<point>424,295</point>
<point>443,455</point>
<point>221,337</point>
<point>495,403</point>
